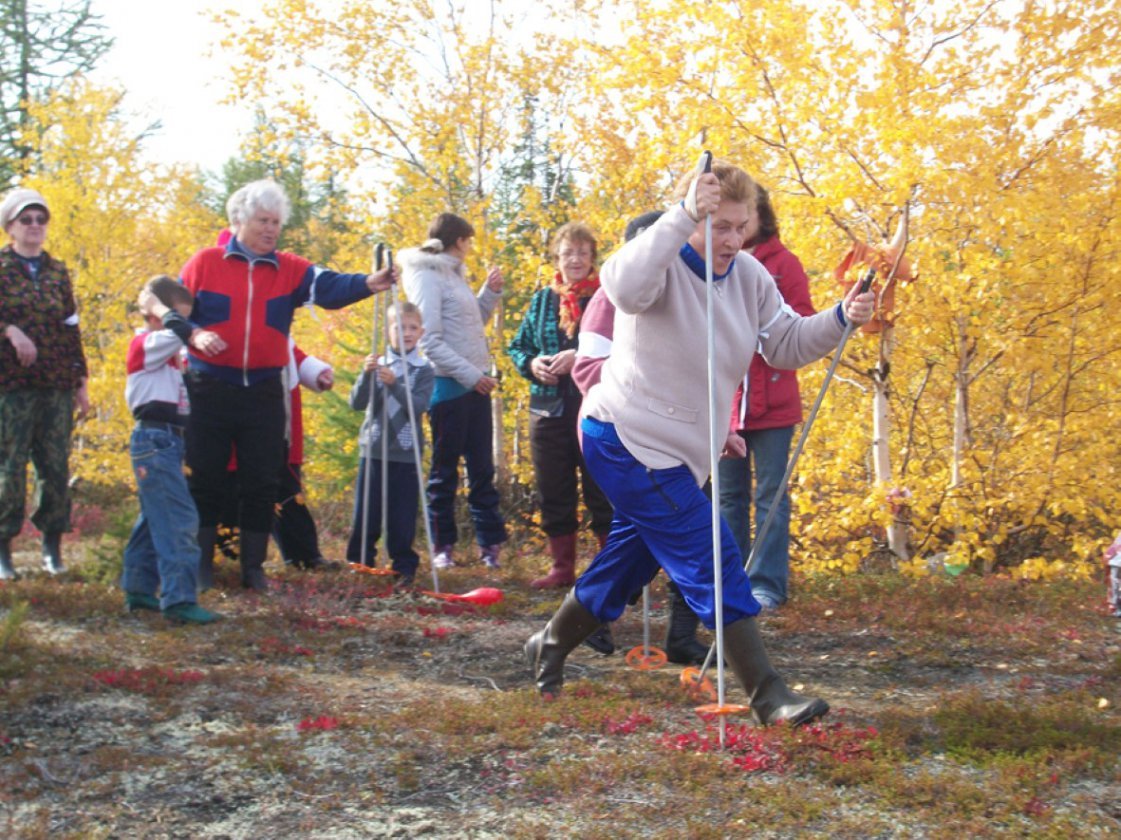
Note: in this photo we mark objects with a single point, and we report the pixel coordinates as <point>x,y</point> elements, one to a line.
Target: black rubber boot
<point>319,564</point>
<point>682,646</point>
<point>771,701</point>
<point>546,650</point>
<point>602,641</point>
<point>207,537</point>
<point>52,553</point>
<point>254,549</point>
<point>7,569</point>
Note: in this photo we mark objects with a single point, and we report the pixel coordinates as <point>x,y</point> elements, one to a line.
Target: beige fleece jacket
<point>654,387</point>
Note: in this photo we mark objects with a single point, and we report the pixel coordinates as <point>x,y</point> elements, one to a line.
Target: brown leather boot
<point>546,650</point>
<point>563,549</point>
<point>771,701</point>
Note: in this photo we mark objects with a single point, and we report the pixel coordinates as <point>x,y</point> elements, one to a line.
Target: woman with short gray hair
<point>246,294</point>
<point>258,195</point>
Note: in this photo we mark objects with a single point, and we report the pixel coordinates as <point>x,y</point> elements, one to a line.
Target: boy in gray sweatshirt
<point>386,375</point>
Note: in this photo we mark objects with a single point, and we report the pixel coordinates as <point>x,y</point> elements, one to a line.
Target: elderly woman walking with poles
<point>246,294</point>
<point>646,427</point>
<point>43,379</point>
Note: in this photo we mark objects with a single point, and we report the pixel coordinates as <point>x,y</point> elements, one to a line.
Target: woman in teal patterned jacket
<point>544,351</point>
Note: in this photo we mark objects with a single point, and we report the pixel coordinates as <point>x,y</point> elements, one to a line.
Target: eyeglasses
<point>37,219</point>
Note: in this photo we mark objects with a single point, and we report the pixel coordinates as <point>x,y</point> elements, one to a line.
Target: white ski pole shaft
<point>752,557</point>
<point>410,407</point>
<point>749,564</point>
<point>385,430</point>
<point>715,444</point>
<point>364,552</point>
<point>646,621</point>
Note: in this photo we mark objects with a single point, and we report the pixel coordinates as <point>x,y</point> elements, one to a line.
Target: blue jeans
<point>768,450</point>
<point>662,518</point>
<point>162,553</point>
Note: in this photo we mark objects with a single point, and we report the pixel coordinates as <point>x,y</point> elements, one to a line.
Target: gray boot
<point>52,553</point>
<point>7,570</point>
<point>207,538</point>
<point>771,701</point>
<point>545,651</point>
<point>254,548</point>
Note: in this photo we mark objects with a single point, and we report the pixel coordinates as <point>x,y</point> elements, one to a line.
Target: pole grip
<point>379,256</point>
<point>866,282</point>
<point>704,164</point>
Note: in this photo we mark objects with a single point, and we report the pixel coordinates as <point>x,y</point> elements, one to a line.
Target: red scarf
<point>570,295</point>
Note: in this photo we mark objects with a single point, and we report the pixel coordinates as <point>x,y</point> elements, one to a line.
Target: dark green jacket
<point>540,335</point>
<point>44,310</point>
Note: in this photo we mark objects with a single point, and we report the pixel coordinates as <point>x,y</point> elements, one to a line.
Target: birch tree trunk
<point>881,441</point>
<point>881,410</point>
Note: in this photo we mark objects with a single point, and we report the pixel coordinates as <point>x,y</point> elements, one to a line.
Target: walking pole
<point>865,284</point>
<point>385,417</point>
<point>646,657</point>
<point>715,443</point>
<point>752,557</point>
<point>416,445</point>
<point>379,260</point>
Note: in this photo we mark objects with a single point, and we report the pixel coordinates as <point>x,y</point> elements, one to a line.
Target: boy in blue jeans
<point>388,377</point>
<point>162,552</point>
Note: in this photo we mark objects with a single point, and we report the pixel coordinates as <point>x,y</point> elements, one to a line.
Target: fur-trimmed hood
<point>454,316</point>
<point>416,259</point>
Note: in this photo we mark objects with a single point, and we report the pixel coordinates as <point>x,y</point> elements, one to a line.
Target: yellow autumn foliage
<point>995,127</point>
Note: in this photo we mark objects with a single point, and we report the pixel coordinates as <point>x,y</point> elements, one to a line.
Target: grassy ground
<point>333,708</point>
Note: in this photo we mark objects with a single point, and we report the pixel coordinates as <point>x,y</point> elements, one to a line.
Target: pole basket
<point>643,658</point>
<point>696,686</point>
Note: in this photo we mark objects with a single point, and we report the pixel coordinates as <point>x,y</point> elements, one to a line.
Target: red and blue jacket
<point>249,301</point>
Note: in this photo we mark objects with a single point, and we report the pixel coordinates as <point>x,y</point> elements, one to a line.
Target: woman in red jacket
<point>765,419</point>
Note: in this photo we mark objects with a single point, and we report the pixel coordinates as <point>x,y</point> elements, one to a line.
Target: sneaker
<point>442,559</point>
<point>189,614</point>
<point>489,555</point>
<point>766,601</point>
<point>139,601</point>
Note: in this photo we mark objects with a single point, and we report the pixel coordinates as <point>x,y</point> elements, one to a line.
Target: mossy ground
<point>331,707</point>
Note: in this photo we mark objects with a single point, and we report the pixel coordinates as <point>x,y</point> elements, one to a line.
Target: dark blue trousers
<point>462,428</point>
<point>662,519</point>
<point>404,499</point>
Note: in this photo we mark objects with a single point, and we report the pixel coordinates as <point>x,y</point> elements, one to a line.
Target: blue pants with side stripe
<point>662,519</point>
